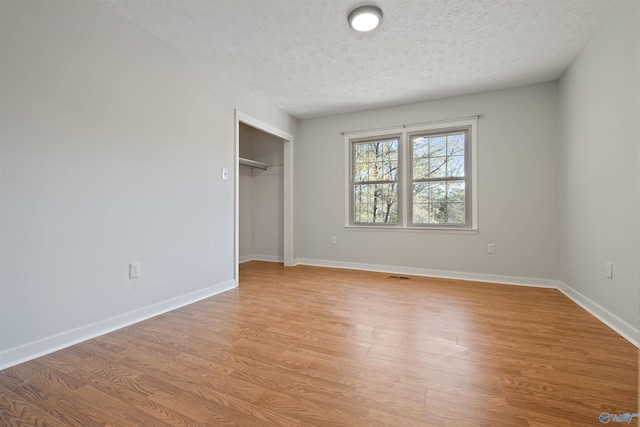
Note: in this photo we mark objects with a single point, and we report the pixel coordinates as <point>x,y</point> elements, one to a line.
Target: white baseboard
<point>245,258</point>
<point>32,350</point>
<point>267,258</point>
<point>624,329</point>
<point>492,278</point>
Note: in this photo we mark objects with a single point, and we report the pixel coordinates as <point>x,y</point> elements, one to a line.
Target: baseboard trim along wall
<point>245,258</point>
<point>443,274</point>
<point>618,325</point>
<point>267,258</point>
<point>624,329</point>
<point>32,350</point>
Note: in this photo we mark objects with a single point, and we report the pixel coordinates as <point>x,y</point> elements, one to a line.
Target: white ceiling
<point>301,55</point>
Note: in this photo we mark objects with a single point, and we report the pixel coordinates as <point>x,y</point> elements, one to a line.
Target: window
<point>419,177</point>
<point>375,181</point>
<point>438,179</point>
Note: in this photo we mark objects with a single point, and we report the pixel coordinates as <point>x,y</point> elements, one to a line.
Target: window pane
<point>390,170</point>
<point>391,149</point>
<point>438,156</point>
<point>455,213</point>
<point>438,146</point>
<point>360,172</point>
<point>421,193</point>
<point>455,191</point>
<point>455,145</point>
<point>420,147</point>
<point>420,157</point>
<point>370,154</point>
<point>438,191</point>
<point>421,213</point>
<point>375,161</point>
<point>439,212</point>
<point>360,162</point>
<point>437,167</point>
<point>455,166</point>
<point>376,204</point>
<point>420,167</point>
<point>439,203</point>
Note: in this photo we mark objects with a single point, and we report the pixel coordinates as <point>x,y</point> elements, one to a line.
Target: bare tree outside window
<point>438,175</point>
<point>420,176</point>
<point>375,181</point>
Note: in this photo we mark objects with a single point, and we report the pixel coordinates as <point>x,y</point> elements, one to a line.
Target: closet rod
<point>253,163</point>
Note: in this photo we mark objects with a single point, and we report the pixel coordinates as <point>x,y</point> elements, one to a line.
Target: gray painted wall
<point>600,169</point>
<point>112,150</point>
<point>517,174</point>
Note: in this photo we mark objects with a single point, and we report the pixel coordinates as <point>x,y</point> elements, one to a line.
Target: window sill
<point>438,230</point>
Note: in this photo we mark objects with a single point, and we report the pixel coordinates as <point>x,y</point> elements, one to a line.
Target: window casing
<point>417,177</point>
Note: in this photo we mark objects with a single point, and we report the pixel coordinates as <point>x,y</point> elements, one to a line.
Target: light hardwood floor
<point>309,346</point>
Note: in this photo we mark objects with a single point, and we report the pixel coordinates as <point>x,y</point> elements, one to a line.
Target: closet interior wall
<point>261,197</point>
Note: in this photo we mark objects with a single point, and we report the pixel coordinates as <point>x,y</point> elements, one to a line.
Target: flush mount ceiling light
<point>365,18</point>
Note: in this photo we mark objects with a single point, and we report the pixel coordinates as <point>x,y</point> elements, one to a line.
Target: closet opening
<point>263,193</point>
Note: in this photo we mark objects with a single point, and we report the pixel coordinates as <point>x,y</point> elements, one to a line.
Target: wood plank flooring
<point>309,346</point>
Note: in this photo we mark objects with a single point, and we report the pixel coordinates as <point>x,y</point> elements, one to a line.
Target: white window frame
<point>398,181</point>
<point>405,179</point>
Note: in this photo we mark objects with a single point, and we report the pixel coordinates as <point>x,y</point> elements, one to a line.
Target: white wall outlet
<point>134,270</point>
<point>491,248</point>
<point>609,270</point>
<point>225,173</point>
<point>334,240</point>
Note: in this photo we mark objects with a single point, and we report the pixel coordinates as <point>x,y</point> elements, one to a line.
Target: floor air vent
<point>399,277</point>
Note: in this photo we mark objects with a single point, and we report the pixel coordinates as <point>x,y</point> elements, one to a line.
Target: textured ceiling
<point>301,55</point>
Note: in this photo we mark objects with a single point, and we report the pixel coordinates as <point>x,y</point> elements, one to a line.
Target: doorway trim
<point>241,117</point>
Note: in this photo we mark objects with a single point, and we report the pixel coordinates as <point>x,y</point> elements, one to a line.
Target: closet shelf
<point>254,164</point>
